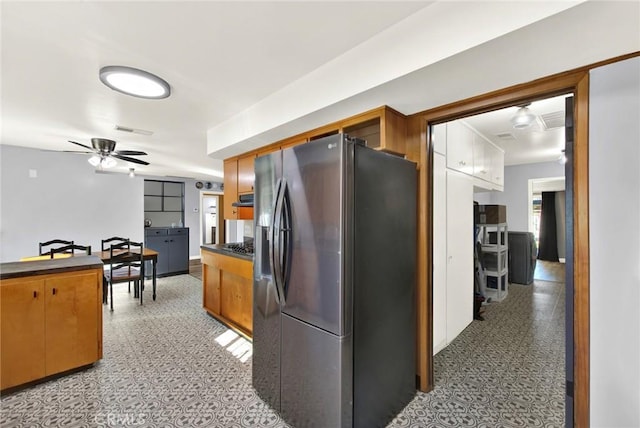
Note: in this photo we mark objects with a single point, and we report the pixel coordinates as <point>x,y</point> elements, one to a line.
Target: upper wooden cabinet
<point>230,188</point>
<point>246,175</point>
<point>382,128</point>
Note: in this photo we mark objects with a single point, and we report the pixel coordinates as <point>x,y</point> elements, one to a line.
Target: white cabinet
<point>452,253</point>
<point>480,161</point>
<point>496,169</point>
<point>439,138</point>
<point>459,147</point>
<point>471,153</point>
<point>439,253</point>
<point>459,253</point>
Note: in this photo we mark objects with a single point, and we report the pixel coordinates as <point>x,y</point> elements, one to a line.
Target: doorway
<point>211,218</point>
<point>421,149</point>
<point>467,350</point>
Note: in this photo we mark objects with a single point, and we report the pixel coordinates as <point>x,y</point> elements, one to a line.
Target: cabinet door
<point>178,253</point>
<point>480,164</point>
<point>71,321</point>
<point>439,138</point>
<point>159,243</point>
<point>459,147</point>
<point>439,252</point>
<point>230,189</point>
<point>236,304</point>
<point>460,236</point>
<point>496,157</point>
<point>211,288</point>
<point>22,325</point>
<point>246,174</point>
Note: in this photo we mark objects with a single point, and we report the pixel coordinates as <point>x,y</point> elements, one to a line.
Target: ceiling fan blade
<point>129,153</point>
<point>128,159</point>
<point>82,145</point>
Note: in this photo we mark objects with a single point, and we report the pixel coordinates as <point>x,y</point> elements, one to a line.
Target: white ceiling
<point>542,141</point>
<point>267,70</point>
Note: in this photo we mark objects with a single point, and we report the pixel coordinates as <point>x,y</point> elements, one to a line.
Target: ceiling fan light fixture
<point>134,82</point>
<point>523,118</point>
<point>101,162</point>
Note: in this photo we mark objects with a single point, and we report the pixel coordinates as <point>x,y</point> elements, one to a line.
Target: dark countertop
<point>218,248</point>
<point>43,267</point>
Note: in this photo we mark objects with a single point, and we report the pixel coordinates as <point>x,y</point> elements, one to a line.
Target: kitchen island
<point>227,287</point>
<point>50,317</point>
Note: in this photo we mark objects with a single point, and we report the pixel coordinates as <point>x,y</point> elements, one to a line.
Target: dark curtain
<point>548,249</point>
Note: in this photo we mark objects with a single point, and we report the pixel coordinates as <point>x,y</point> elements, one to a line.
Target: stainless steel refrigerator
<point>334,279</point>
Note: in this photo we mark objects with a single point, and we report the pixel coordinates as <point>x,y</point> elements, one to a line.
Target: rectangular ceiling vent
<point>552,120</point>
<point>505,136</point>
<point>133,130</point>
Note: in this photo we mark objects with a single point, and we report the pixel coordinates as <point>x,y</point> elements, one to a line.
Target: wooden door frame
<point>574,82</point>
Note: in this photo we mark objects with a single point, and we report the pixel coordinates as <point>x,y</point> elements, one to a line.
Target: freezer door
<point>314,175</point>
<point>317,388</point>
<point>266,302</point>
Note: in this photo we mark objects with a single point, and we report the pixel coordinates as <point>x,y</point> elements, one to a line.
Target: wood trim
<point>581,253</point>
<point>576,82</point>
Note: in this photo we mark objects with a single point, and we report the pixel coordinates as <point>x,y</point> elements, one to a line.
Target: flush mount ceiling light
<point>132,172</point>
<point>523,118</point>
<point>132,81</point>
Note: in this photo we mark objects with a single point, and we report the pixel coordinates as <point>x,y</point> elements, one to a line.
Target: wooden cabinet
<point>230,181</point>
<point>22,325</point>
<point>227,289</point>
<point>383,129</point>
<point>238,179</point>
<point>246,174</point>
<point>49,324</point>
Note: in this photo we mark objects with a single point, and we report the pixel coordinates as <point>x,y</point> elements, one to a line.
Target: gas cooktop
<point>239,247</point>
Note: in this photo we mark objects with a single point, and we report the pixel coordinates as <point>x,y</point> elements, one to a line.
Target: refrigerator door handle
<point>273,239</point>
<point>278,217</point>
<point>286,236</point>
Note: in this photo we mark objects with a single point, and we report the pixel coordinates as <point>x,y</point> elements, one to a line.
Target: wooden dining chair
<point>72,249</point>
<point>44,248</point>
<point>106,243</point>
<point>126,264</point>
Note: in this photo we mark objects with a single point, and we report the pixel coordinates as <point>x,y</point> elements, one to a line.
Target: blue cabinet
<point>172,245</point>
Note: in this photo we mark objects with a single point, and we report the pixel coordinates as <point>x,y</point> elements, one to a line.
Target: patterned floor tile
<point>162,367</point>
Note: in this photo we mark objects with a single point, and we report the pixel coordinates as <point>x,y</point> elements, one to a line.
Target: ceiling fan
<point>104,150</point>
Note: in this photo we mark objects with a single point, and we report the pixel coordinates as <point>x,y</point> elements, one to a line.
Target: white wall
<point>614,228</point>
<point>69,200</point>
<point>66,200</point>
<point>516,191</point>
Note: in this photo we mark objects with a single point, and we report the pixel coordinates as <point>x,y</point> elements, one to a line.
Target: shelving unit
<point>495,256</point>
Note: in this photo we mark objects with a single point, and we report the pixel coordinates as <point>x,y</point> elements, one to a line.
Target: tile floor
<point>168,364</point>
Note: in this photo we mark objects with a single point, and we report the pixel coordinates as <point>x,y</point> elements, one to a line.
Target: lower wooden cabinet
<point>227,290</point>
<point>49,324</point>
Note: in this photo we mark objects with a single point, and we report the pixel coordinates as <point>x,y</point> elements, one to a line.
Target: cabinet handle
<point>54,291</point>
<point>35,294</point>
<point>462,163</point>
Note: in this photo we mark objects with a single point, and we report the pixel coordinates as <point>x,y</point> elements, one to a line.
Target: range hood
<point>244,201</point>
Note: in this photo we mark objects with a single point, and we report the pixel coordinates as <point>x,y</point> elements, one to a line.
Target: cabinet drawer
<point>155,232</point>
<point>178,231</point>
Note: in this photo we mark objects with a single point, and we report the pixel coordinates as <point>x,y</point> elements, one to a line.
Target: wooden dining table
<point>147,255</point>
